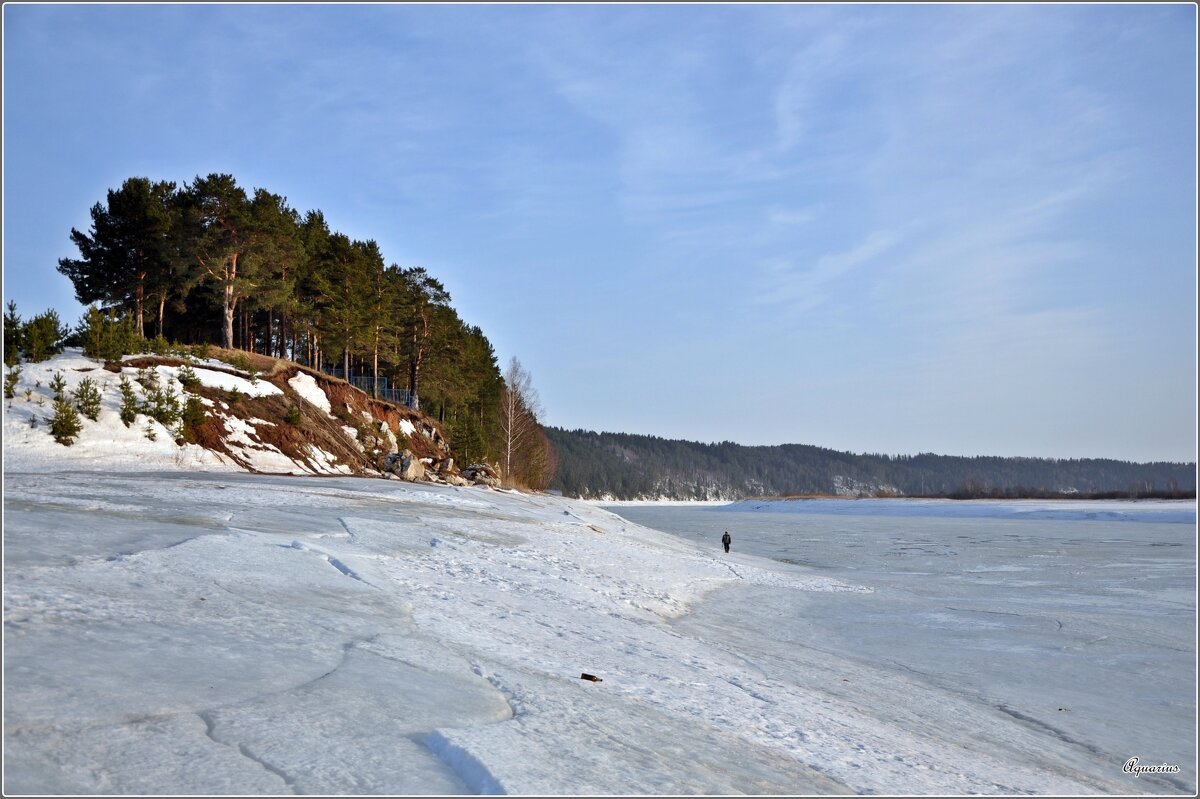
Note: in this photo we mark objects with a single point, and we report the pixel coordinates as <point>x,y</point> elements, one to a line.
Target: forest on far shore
<point>623,466</point>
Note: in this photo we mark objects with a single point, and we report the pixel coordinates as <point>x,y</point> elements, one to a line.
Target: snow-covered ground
<point>1076,619</point>
<point>107,444</point>
<point>188,632</point>
<point>176,626</point>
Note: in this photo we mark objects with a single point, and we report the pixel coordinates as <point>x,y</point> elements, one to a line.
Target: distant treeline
<point>624,466</point>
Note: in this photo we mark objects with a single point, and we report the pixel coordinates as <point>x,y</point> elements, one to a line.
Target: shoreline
<point>697,503</point>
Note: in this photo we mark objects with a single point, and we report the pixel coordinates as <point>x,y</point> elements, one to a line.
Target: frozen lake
<point>198,633</point>
<point>1077,620</point>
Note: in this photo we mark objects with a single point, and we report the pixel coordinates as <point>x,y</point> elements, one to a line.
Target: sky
<point>962,229</point>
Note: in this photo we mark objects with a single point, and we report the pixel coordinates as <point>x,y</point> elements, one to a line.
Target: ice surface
<point>207,633</point>
<point>1144,510</point>
<point>203,632</point>
<point>1079,626</point>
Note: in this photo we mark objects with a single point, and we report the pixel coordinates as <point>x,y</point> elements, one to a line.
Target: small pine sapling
<point>162,405</point>
<point>130,407</point>
<point>106,336</point>
<point>64,424</point>
<point>188,377</point>
<point>42,336</point>
<point>59,386</point>
<point>159,345</point>
<point>14,329</point>
<point>87,398</point>
<point>10,382</point>
<point>150,433</point>
<point>192,420</point>
<point>293,415</point>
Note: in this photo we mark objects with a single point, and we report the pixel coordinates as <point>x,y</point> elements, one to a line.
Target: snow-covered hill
<point>173,625</point>
<point>284,420</point>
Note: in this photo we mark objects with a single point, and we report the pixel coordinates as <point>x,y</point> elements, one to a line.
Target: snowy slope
<point>105,444</point>
<point>205,631</point>
<point>250,437</point>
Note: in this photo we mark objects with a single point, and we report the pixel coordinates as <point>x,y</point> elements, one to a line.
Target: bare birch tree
<point>519,411</point>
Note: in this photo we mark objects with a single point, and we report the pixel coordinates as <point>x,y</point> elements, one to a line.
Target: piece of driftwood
<point>592,677</point>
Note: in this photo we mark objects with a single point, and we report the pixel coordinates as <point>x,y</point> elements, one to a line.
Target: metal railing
<point>375,387</point>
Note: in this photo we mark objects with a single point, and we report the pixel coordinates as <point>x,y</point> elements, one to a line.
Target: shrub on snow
<point>87,398</point>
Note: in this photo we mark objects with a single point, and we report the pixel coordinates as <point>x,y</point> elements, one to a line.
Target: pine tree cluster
<point>207,262</point>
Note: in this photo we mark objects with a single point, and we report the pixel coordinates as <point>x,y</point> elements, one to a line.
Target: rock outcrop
<point>482,474</point>
<point>301,420</point>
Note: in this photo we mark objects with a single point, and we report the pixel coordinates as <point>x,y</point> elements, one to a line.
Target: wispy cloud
<point>796,288</point>
<point>927,181</point>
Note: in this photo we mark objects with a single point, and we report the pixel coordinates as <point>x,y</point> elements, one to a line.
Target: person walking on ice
<point>725,539</point>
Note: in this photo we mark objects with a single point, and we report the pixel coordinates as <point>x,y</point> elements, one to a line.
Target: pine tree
<point>13,331</point>
<point>130,406</point>
<point>126,257</point>
<point>105,336</point>
<point>217,227</point>
<point>188,377</point>
<point>425,294</point>
<point>341,280</point>
<point>64,424</point>
<point>275,255</point>
<point>87,398</point>
<point>192,419</point>
<point>10,381</point>
<point>58,385</point>
<point>43,336</point>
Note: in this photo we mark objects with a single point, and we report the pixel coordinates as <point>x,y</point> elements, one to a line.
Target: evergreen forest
<point>208,262</point>
<point>624,466</point>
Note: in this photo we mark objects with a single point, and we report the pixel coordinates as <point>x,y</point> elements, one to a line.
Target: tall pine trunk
<point>139,295</point>
<point>414,371</point>
<point>229,300</point>
<point>228,316</point>
<point>375,373</point>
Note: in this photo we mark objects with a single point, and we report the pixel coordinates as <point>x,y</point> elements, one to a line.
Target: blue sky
<point>963,229</point>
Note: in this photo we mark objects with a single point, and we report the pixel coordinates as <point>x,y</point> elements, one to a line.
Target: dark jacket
<point>725,539</point>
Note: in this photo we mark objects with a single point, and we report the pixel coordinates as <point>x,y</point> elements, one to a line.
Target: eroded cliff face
<point>287,418</point>
<point>229,409</point>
